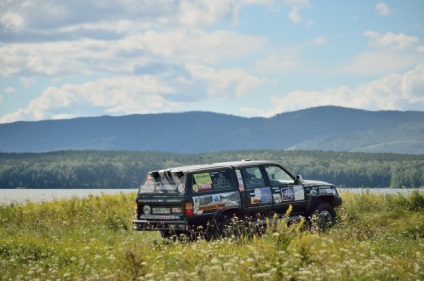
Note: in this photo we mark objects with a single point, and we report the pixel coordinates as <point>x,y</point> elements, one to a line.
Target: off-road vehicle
<point>180,199</point>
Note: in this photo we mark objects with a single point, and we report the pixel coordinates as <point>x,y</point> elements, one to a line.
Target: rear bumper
<point>151,225</point>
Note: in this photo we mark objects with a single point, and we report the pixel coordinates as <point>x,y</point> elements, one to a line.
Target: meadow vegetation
<point>377,237</point>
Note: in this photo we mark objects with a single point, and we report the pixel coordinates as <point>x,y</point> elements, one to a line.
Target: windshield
<point>163,182</point>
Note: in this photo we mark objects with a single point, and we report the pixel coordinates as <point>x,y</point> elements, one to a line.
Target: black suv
<point>180,199</point>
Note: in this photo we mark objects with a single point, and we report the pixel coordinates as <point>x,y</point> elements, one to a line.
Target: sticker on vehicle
<point>240,180</point>
<point>277,198</point>
<point>266,197</point>
<point>215,202</point>
<point>261,196</point>
<point>299,193</point>
<point>203,181</point>
<point>287,193</point>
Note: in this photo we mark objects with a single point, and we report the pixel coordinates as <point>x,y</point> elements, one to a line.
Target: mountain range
<point>320,128</point>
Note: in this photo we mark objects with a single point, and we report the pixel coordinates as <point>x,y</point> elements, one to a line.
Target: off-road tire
<point>326,216</point>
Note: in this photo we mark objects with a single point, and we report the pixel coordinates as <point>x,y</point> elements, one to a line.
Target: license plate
<point>161,211</point>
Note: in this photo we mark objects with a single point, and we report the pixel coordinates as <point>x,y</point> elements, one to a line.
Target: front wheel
<point>325,215</point>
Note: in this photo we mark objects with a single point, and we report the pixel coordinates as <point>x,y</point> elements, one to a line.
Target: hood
<point>315,183</point>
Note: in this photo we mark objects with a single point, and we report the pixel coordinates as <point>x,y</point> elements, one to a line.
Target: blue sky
<point>66,59</point>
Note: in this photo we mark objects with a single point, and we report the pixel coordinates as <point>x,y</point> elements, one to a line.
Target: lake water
<point>381,190</point>
<point>8,196</point>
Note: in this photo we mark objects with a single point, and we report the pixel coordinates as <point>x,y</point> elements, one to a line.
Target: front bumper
<point>337,201</point>
<point>151,225</point>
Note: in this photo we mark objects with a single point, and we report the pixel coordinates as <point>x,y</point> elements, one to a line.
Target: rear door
<point>256,194</point>
<point>214,190</point>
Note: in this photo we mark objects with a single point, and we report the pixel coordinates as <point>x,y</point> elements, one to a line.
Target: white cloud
<point>382,9</point>
<point>11,22</point>
<point>227,83</point>
<point>120,95</point>
<point>158,47</point>
<point>27,81</point>
<point>320,41</point>
<point>88,56</point>
<point>380,63</point>
<point>393,92</point>
<point>137,94</point>
<point>10,90</point>
<point>288,60</point>
<point>268,3</point>
<point>295,7</point>
<point>294,16</point>
<point>390,40</point>
<point>277,64</point>
<point>48,15</point>
<point>298,3</point>
<point>390,53</point>
<point>193,13</point>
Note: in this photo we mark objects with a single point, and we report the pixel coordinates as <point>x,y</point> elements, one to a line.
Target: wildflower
<point>417,267</point>
<point>149,275</point>
<point>215,268</point>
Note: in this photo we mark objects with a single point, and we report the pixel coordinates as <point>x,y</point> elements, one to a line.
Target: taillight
<point>188,209</point>
<point>136,210</point>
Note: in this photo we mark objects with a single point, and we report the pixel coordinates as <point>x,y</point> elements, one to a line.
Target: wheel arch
<point>321,199</point>
<point>228,212</point>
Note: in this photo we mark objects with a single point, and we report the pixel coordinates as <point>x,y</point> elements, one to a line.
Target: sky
<point>251,58</point>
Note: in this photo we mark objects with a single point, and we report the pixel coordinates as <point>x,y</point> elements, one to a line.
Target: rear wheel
<point>227,227</point>
<point>165,234</point>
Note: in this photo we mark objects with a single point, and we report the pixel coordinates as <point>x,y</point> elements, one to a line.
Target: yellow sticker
<point>203,178</point>
<point>195,187</point>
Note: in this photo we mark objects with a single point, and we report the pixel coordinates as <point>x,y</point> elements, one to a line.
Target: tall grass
<point>377,237</point>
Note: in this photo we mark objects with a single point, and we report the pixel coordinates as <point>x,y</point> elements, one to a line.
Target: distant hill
<point>320,128</point>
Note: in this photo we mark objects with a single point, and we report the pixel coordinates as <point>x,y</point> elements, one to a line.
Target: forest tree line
<point>126,169</point>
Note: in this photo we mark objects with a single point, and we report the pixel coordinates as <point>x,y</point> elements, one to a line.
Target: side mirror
<point>299,179</point>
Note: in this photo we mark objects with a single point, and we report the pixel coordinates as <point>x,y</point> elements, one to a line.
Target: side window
<point>212,180</point>
<point>253,177</point>
<point>278,176</point>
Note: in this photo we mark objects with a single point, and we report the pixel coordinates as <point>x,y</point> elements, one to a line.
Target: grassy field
<point>378,237</point>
